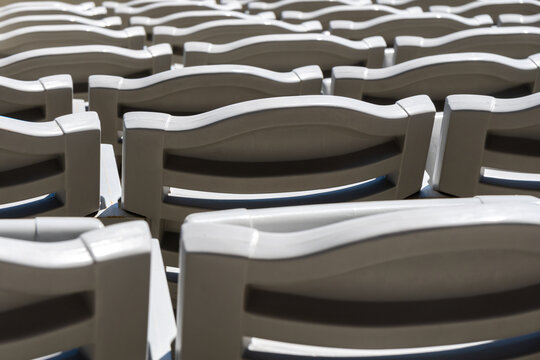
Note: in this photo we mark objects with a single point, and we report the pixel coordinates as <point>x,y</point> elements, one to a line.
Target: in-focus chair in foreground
<point>379,276</point>
<point>70,285</point>
<point>271,152</point>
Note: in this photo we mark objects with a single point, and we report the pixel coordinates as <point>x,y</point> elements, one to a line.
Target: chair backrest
<point>412,24</point>
<point>163,8</point>
<point>428,274</point>
<point>224,31</point>
<point>38,100</point>
<point>479,134</point>
<point>132,3</point>
<point>43,36</point>
<point>343,12</point>
<point>439,76</point>
<point>493,8</point>
<point>84,60</point>
<point>57,19</point>
<point>517,19</point>
<point>86,9</point>
<point>277,7</point>
<point>424,4</point>
<point>516,42</point>
<point>285,52</point>
<point>191,18</point>
<point>74,285</point>
<point>51,166</point>
<point>191,90</point>
<point>273,152</point>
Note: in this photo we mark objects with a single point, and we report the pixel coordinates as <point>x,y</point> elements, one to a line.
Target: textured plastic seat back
<point>413,274</point>
<point>480,132</point>
<point>60,292</point>
<point>273,152</point>
<point>191,90</point>
<point>56,161</point>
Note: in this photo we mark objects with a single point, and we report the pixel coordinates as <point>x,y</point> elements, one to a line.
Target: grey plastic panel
<point>493,8</point>
<point>83,281</point>
<point>35,37</point>
<point>517,19</point>
<point>59,158</point>
<point>192,90</point>
<point>484,132</point>
<point>439,76</point>
<point>57,19</point>
<point>84,9</point>
<point>224,31</point>
<point>44,99</point>
<point>278,7</point>
<point>285,52</point>
<point>334,283</point>
<point>424,4</point>
<point>84,60</point>
<point>413,24</point>
<point>343,12</point>
<point>271,152</point>
<point>191,18</point>
<point>163,8</point>
<point>516,42</point>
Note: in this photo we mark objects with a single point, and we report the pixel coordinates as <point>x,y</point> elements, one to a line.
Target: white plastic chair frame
<point>412,24</point>
<point>191,90</point>
<point>518,19</point>
<point>284,52</point>
<point>273,152</point>
<point>424,4</point>
<point>480,132</point>
<point>191,18</point>
<point>59,159</point>
<point>439,76</point>
<point>86,9</point>
<point>224,31</point>
<point>57,19</point>
<point>278,7</point>
<point>493,8</point>
<point>49,97</point>
<point>84,60</point>
<point>517,42</point>
<point>42,36</point>
<point>343,12</point>
<point>381,275</point>
<point>66,282</point>
<point>163,8</point>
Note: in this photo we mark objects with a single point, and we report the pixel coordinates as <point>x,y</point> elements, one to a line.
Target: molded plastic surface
<point>35,37</point>
<point>517,19</point>
<point>415,24</point>
<point>439,76</point>
<point>493,8</point>
<point>192,18</point>
<point>65,284</point>
<point>255,7</point>
<point>517,42</point>
<point>84,60</point>
<point>224,31</point>
<point>284,52</point>
<point>192,90</point>
<point>484,132</point>
<point>272,152</point>
<point>343,12</point>
<point>59,157</point>
<point>382,275</point>
<point>43,99</point>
